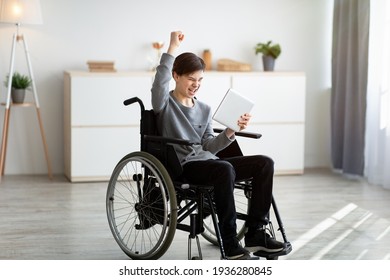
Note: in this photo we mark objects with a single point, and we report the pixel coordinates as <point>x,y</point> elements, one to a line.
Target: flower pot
<point>268,63</point>
<point>18,95</point>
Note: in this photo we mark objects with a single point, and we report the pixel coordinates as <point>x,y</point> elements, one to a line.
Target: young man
<point>181,115</point>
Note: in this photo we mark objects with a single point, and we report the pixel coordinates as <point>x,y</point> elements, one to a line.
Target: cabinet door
<point>277,98</point>
<point>283,143</point>
<point>96,150</point>
<point>98,101</point>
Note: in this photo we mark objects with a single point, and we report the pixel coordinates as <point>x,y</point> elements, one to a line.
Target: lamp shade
<point>20,11</point>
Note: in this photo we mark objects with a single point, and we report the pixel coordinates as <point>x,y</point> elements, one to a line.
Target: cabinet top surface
<point>79,73</point>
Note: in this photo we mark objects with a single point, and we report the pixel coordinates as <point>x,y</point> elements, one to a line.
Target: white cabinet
<point>100,130</point>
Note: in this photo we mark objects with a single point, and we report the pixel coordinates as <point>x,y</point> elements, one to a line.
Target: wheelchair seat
<point>147,199</point>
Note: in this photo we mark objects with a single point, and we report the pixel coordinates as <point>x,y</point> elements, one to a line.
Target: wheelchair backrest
<point>148,126</point>
<point>164,152</point>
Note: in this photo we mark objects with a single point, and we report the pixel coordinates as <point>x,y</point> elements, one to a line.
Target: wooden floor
<point>326,216</point>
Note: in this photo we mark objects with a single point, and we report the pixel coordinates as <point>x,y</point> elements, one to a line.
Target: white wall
<point>75,31</point>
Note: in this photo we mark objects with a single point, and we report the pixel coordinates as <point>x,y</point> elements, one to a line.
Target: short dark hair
<point>187,63</point>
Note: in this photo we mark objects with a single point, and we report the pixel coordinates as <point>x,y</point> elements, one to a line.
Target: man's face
<point>187,85</point>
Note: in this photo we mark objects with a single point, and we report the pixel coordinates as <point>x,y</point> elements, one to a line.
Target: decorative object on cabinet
<point>157,46</point>
<point>20,12</point>
<point>232,65</point>
<point>101,66</point>
<point>270,53</point>
<point>20,83</point>
<point>207,58</point>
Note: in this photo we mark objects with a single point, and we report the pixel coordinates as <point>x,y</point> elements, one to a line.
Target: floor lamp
<point>20,12</point>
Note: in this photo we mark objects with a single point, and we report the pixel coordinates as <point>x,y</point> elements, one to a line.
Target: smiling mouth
<point>193,91</point>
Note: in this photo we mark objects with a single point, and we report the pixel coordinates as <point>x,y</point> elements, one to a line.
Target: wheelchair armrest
<point>242,134</point>
<point>165,140</point>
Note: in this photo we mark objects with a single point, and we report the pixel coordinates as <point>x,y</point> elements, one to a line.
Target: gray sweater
<point>178,121</point>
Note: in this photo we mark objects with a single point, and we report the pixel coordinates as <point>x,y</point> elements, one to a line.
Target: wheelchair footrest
<point>245,257</point>
<point>273,255</point>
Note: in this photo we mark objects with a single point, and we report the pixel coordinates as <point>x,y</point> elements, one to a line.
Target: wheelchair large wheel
<point>242,202</point>
<point>141,206</point>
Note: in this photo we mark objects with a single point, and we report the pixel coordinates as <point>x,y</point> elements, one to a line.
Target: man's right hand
<point>176,38</point>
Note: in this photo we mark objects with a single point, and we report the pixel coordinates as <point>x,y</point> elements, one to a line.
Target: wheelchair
<point>147,201</point>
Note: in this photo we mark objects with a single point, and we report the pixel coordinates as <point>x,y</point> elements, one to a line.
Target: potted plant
<point>270,53</point>
<point>19,85</point>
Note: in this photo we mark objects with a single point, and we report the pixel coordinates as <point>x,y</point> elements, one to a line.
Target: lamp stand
<point>17,37</point>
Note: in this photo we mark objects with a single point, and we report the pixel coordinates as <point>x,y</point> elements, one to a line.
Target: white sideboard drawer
<point>99,100</point>
<point>283,143</point>
<point>96,151</point>
<point>277,98</point>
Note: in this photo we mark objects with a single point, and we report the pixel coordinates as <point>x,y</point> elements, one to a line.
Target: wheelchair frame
<point>143,202</point>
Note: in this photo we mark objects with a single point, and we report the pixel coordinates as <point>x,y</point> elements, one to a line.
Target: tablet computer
<point>231,108</point>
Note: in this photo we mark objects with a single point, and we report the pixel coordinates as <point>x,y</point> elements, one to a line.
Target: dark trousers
<point>222,174</point>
